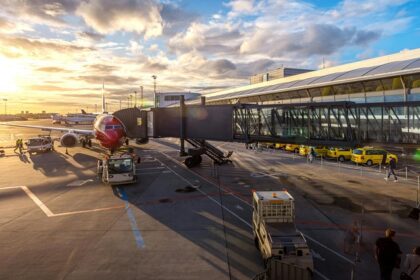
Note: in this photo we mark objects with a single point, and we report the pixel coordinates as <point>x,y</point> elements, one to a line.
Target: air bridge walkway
<point>345,124</point>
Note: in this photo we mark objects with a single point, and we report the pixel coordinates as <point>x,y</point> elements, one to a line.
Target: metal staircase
<point>203,147</point>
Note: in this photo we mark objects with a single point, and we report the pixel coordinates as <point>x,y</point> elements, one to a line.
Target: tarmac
<point>58,221</point>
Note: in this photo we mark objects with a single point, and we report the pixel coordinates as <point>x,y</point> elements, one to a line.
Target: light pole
<point>5,105</point>
<point>135,99</point>
<point>154,90</point>
<point>141,96</point>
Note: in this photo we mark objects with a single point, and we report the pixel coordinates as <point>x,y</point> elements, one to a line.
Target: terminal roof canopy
<point>388,66</point>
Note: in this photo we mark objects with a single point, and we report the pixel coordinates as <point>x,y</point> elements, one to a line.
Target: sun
<point>9,72</point>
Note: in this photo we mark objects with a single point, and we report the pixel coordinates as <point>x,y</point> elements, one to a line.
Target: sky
<point>55,55</point>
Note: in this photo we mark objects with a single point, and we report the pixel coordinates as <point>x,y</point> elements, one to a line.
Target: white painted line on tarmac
<point>48,212</point>
<point>239,207</point>
<point>329,249</point>
<point>321,275</point>
<point>87,211</point>
<point>79,183</point>
<point>317,255</point>
<point>150,168</point>
<point>38,202</point>
<point>209,197</point>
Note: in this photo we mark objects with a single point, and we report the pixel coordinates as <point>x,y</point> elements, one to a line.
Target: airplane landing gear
<point>193,161</point>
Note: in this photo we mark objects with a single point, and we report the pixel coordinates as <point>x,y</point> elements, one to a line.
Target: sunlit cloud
<point>54,53</point>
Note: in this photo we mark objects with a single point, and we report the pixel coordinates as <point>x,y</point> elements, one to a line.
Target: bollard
<point>406,173</point>
<point>380,167</point>
<point>321,160</point>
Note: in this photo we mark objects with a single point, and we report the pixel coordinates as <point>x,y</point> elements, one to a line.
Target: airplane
<point>83,118</point>
<point>107,129</point>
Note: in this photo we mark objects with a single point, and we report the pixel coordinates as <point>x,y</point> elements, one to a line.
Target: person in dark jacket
<point>388,254</point>
<point>391,170</point>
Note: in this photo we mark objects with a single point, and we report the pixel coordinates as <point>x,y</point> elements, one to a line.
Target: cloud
<point>108,79</point>
<point>13,47</point>
<point>240,7</point>
<point>315,39</point>
<point>48,11</point>
<point>175,19</point>
<point>51,69</point>
<point>109,16</point>
<point>101,68</point>
<point>46,87</point>
<point>90,35</point>
<point>213,38</point>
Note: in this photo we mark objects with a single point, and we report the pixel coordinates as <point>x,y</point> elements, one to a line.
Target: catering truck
<point>275,233</point>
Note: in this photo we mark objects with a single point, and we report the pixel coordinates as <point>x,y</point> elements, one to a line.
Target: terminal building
<point>167,99</point>
<point>391,78</point>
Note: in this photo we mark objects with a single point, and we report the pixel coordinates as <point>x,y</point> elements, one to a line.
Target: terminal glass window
<point>412,81</point>
<point>392,83</point>
<point>374,85</point>
<point>341,89</point>
<point>326,91</point>
<point>355,88</point>
<point>172,98</point>
<point>315,92</point>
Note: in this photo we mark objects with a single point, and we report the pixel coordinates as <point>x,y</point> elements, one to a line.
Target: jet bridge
<point>342,124</point>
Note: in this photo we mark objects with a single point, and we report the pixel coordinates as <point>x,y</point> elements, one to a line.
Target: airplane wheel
<point>83,141</point>
<point>189,162</point>
<point>197,160</point>
<point>90,143</point>
<point>126,142</point>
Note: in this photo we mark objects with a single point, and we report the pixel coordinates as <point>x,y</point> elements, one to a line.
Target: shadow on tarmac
<point>193,216</point>
<point>53,164</point>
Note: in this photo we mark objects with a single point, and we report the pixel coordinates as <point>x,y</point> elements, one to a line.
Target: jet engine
<point>69,140</point>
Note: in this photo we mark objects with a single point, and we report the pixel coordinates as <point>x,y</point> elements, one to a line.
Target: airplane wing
<point>86,132</point>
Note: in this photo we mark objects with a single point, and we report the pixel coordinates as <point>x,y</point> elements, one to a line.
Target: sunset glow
<point>54,55</point>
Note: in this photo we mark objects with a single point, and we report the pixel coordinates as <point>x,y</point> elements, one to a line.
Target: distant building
<point>43,112</point>
<point>276,74</point>
<point>166,99</point>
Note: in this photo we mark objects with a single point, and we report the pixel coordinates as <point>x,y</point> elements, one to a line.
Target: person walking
<point>311,154</point>
<point>351,238</point>
<point>387,254</point>
<point>20,145</point>
<point>412,265</point>
<point>16,145</point>
<point>391,169</point>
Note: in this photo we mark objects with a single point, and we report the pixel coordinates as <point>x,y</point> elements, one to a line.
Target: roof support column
<point>309,95</point>
<point>182,126</point>
<point>406,90</point>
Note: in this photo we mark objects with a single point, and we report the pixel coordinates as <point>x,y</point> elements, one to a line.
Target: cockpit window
<point>113,126</point>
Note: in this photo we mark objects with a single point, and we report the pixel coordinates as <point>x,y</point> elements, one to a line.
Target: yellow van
<point>303,150</point>
<point>292,148</point>
<point>319,150</point>
<point>341,154</point>
<point>371,156</point>
<point>280,146</point>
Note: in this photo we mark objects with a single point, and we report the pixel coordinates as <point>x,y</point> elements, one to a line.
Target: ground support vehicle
<point>280,146</point>
<point>371,156</point>
<point>274,229</point>
<point>304,150</point>
<point>292,148</point>
<point>39,144</point>
<point>341,154</point>
<point>119,168</point>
